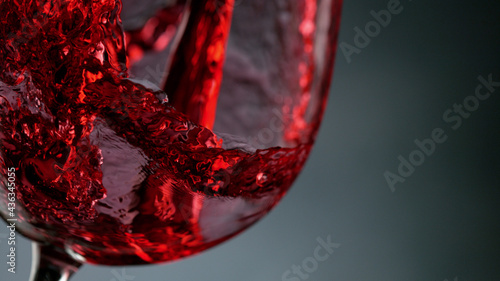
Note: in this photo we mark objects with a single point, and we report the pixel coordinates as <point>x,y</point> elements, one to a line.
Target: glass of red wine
<point>138,132</point>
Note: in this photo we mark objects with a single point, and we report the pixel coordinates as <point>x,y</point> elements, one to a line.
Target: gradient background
<point>439,224</point>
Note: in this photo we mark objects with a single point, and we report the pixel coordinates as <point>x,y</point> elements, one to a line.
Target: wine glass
<point>154,139</point>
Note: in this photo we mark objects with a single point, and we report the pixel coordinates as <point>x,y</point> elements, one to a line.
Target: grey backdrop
<point>442,223</point>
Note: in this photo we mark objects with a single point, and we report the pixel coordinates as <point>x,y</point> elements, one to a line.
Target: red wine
<point>110,168</point>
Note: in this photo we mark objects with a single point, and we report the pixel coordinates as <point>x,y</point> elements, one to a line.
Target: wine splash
<point>116,171</point>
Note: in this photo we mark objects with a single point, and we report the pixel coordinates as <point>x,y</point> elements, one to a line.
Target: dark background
<point>441,223</point>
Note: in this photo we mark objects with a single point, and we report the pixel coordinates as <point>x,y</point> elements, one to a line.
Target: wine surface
<point>113,168</point>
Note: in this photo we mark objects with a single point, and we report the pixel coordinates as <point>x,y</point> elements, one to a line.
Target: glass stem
<point>50,263</point>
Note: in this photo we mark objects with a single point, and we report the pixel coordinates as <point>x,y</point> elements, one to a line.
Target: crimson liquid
<point>119,168</point>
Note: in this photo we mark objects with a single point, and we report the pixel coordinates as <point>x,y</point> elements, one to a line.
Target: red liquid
<point>109,169</point>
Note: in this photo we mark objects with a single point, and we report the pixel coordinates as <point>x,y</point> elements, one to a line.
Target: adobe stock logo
<point>121,276</point>
<point>268,134</point>
<point>372,29</point>
<point>454,117</point>
<point>310,264</point>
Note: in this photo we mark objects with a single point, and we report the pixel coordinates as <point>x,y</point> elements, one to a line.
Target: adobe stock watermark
<point>157,76</point>
<point>372,29</point>
<point>454,117</point>
<point>310,264</point>
<point>268,134</point>
<point>121,276</point>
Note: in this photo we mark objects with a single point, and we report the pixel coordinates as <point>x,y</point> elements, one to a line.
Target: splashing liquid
<point>110,168</point>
